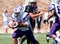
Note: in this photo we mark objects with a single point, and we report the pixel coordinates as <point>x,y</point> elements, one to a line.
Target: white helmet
<point>16,9</point>
<point>32,0</point>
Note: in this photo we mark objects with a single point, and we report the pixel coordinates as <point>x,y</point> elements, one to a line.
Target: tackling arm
<point>50,14</point>
<point>36,15</point>
<point>23,24</point>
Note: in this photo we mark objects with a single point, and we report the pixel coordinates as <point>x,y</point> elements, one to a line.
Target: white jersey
<point>23,17</point>
<point>5,17</point>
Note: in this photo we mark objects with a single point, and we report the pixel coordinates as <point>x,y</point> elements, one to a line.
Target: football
<point>14,24</point>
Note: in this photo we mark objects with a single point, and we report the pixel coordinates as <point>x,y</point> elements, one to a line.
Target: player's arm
<point>30,11</point>
<point>51,14</point>
<point>10,24</point>
<point>35,15</point>
<point>25,24</point>
<point>13,24</point>
<point>51,11</point>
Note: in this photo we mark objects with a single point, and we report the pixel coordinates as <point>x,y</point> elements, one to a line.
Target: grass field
<point>7,39</point>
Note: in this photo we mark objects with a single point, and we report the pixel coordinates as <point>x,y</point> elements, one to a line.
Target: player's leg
<point>45,25</point>
<point>39,22</point>
<point>30,36</point>
<point>53,30</point>
<point>47,38</point>
<point>23,39</point>
<point>15,35</point>
<point>33,24</point>
<point>15,41</point>
<point>28,41</point>
<point>6,26</point>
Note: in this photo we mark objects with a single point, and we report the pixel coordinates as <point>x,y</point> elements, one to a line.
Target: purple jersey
<point>56,25</point>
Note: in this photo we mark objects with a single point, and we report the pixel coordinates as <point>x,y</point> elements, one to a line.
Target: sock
<point>47,38</point>
<point>54,41</point>
<point>57,39</point>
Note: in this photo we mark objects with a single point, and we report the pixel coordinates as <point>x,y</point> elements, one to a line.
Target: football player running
<point>54,10</point>
<point>22,25</point>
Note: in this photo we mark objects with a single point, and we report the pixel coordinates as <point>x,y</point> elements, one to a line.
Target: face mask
<point>17,14</point>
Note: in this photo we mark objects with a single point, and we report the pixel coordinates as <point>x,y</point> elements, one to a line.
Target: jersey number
<point>58,7</point>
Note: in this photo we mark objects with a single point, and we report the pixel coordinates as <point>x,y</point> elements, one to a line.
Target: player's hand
<point>40,13</point>
<point>45,21</point>
<point>15,24</point>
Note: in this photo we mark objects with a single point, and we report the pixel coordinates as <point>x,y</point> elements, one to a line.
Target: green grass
<point>7,39</point>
